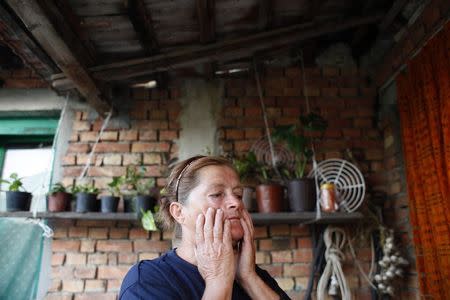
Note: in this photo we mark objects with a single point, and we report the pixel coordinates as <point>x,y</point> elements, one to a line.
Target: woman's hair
<point>183,178</point>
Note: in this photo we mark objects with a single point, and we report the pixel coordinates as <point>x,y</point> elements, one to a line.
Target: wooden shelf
<point>258,218</point>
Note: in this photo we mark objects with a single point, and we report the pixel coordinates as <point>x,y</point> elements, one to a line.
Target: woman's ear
<point>176,210</point>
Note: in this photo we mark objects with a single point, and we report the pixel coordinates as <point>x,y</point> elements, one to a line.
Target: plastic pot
<point>270,198</point>
<point>302,194</point>
<point>135,204</point>
<point>247,199</point>
<point>109,204</point>
<point>18,201</point>
<point>86,202</point>
<point>59,201</point>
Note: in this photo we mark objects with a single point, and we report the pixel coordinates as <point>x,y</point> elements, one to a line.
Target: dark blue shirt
<point>171,277</point>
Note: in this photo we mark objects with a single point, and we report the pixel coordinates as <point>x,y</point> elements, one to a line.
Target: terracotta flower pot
<point>270,198</point>
<point>59,201</point>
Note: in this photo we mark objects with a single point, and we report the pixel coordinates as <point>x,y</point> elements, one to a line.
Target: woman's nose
<point>233,202</point>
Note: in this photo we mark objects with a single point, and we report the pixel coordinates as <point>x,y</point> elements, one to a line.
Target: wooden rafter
<point>226,50</point>
<point>265,14</point>
<point>389,18</point>
<point>26,48</point>
<point>46,35</point>
<point>142,22</point>
<point>206,19</point>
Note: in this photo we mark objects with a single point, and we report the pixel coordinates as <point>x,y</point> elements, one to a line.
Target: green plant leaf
<point>147,220</point>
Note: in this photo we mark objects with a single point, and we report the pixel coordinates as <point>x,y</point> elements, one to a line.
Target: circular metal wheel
<point>347,179</point>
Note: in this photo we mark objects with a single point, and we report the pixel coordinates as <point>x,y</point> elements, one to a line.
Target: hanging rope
<point>88,162</point>
<point>308,110</point>
<point>335,240</point>
<point>266,123</point>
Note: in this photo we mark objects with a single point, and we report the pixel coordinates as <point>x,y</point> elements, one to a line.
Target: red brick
<point>292,91</point>
<point>81,126</point>
<point>151,246</point>
<point>147,135</point>
<point>253,112</point>
<point>85,272</point>
<point>98,233</point>
<point>95,286</point>
<point>97,259</point>
<point>168,135</point>
<point>57,259</point>
<point>139,113</point>
<point>296,270</point>
<point>62,272</point>
<point>78,148</point>
<point>109,136</point>
<point>260,232</point>
<point>158,114</point>
<point>88,136</point>
<point>351,133</point>
<point>242,146</point>
<point>293,72</point>
<point>112,272</point>
<point>330,71</point>
<point>128,135</point>
<point>111,160</point>
<point>127,258</point>
<point>273,269</point>
<point>348,92</point>
<point>112,259</point>
<point>96,296</point>
<point>65,245</point>
<point>114,246</point>
<point>114,285</point>
<point>233,112</point>
<point>302,255</point>
<point>118,233</point>
<point>152,125</point>
<point>234,134</point>
<point>72,171</point>
<point>55,286</point>
<point>329,91</point>
<point>78,232</point>
<point>150,147</point>
<point>75,259</point>
<point>73,286</point>
<point>138,233</point>
<point>87,246</point>
<point>112,147</point>
<point>282,229</point>
<point>68,160</point>
<point>291,111</point>
<point>304,242</point>
<point>253,133</point>
<point>281,256</point>
<point>107,171</point>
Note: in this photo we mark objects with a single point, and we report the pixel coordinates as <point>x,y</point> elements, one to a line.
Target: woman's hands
<point>214,251</point>
<point>246,256</point>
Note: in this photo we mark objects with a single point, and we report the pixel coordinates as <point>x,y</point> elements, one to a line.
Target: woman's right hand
<point>214,251</point>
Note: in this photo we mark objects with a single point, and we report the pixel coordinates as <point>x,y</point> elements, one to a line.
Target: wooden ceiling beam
<point>206,19</point>
<point>24,46</point>
<point>142,22</point>
<point>265,14</point>
<point>390,16</point>
<point>46,35</point>
<point>226,50</point>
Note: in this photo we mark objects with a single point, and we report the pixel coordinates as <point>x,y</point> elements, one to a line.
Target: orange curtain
<point>424,105</point>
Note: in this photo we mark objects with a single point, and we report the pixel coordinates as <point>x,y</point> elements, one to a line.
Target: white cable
<point>367,277</point>
<point>335,240</point>
<point>88,162</point>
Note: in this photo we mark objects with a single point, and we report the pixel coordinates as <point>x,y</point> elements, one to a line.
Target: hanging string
<point>335,240</point>
<point>88,162</point>
<point>266,123</point>
<point>367,277</point>
<point>308,110</point>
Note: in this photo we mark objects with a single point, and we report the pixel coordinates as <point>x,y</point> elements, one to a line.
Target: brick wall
<point>90,258</point>
<point>23,78</point>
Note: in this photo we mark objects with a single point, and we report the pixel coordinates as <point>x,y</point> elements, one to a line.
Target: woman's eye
<point>239,196</point>
<point>216,195</point>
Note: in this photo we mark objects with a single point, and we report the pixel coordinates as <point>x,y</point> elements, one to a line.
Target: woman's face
<point>219,187</point>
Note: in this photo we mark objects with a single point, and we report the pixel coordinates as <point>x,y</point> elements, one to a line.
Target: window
<point>26,149</point>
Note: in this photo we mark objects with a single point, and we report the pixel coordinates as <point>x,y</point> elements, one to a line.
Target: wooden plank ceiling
<point>88,44</point>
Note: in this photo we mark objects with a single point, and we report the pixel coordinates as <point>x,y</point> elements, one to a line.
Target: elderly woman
<point>215,258</point>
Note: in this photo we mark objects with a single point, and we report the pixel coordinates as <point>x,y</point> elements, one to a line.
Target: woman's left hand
<point>246,255</point>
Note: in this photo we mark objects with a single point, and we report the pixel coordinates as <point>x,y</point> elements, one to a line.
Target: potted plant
<point>16,200</point>
<point>86,198</point>
<point>247,168</point>
<point>269,193</point>
<point>301,190</point>
<point>58,198</point>
<point>137,192</point>
<point>109,203</point>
